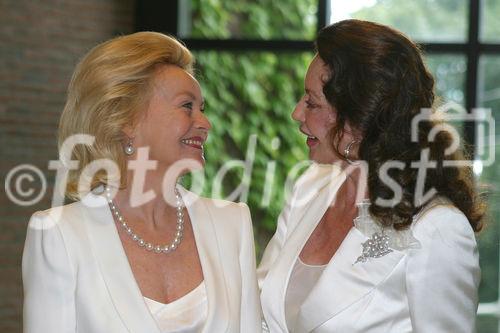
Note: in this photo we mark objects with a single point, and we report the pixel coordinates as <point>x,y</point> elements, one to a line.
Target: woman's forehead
<point>317,74</point>
<point>172,80</point>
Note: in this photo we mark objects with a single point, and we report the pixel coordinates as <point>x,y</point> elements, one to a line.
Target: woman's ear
<point>352,133</point>
<point>129,131</point>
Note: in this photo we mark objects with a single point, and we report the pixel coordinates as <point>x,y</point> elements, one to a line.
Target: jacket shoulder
<point>228,214</point>
<point>61,216</point>
<point>443,220</point>
<point>224,206</point>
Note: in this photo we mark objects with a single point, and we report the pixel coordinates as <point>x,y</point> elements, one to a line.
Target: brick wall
<point>40,43</point>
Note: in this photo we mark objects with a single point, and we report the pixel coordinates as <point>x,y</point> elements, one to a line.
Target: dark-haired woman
<point>400,254</point>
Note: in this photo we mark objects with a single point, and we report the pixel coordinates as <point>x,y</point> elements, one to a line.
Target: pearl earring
<point>129,149</point>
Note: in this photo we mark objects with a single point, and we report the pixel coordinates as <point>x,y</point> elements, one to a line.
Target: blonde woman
<point>138,253</point>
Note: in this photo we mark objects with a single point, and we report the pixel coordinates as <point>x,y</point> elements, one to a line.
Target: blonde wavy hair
<point>110,87</point>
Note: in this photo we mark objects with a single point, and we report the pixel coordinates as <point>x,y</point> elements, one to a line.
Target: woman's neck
<point>355,187</point>
<point>148,199</point>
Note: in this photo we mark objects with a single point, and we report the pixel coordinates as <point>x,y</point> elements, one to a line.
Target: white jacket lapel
<point>211,261</point>
<point>343,282</point>
<point>312,195</point>
<point>115,268</point>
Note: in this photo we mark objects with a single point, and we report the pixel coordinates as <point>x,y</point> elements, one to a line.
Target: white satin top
<point>186,314</point>
<point>302,281</point>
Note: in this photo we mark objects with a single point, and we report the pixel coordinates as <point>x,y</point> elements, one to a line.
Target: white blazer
<point>77,277</point>
<point>429,289</point>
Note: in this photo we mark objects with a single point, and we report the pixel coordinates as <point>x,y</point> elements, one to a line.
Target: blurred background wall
<point>40,43</point>
<point>251,59</point>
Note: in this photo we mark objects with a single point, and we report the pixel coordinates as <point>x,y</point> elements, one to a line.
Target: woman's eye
<point>188,105</point>
<point>310,105</point>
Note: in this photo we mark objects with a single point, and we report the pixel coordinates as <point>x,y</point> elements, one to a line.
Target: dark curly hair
<point>378,84</point>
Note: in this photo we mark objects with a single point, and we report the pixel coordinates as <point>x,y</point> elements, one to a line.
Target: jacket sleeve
<point>442,276</point>
<point>48,279</point>
<point>250,301</point>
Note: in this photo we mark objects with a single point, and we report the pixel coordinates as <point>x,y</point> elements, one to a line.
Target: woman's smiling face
<point>174,126</point>
<point>317,117</point>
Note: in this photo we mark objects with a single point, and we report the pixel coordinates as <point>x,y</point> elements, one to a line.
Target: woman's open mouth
<point>195,142</point>
<point>312,141</point>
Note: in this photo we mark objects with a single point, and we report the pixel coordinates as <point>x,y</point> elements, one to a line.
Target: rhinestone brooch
<point>381,240</point>
<point>375,247</point>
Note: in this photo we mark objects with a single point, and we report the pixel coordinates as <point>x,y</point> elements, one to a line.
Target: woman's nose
<point>202,122</point>
<point>298,112</point>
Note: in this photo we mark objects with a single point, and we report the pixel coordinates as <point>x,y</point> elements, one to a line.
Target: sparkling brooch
<point>375,247</point>
<point>381,240</point>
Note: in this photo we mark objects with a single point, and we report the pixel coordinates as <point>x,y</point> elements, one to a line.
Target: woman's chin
<point>182,166</point>
<point>199,166</point>
<point>318,158</point>
<point>322,158</point>
<point>192,164</point>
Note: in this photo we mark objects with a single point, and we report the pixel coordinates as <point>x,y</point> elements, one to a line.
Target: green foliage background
<point>251,93</point>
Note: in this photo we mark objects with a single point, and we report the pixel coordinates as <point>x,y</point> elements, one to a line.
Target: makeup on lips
<point>312,141</point>
<point>195,142</point>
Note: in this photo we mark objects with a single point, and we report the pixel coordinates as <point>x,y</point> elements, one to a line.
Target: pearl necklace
<point>141,242</point>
